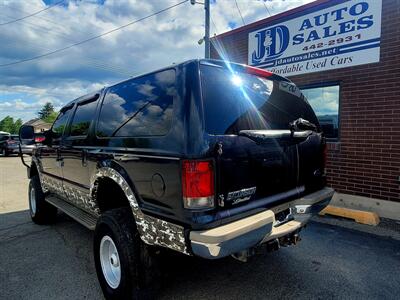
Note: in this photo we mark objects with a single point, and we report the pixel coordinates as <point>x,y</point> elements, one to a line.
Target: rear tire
<point>125,267</point>
<point>41,211</point>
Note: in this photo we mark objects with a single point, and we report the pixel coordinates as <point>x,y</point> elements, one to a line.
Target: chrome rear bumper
<point>257,229</point>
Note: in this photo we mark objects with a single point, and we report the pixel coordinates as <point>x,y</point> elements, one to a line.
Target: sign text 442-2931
<point>340,35</point>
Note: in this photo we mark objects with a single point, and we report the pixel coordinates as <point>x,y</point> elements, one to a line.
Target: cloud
<point>5,105</point>
<point>167,38</point>
<point>18,108</point>
<point>22,101</point>
<point>324,100</point>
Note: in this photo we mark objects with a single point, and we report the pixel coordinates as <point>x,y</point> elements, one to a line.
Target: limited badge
<point>239,196</point>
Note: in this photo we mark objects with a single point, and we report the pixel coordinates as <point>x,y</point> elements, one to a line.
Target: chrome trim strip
<point>125,149</point>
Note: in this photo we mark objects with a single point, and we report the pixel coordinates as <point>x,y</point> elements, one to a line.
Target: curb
<point>362,217</point>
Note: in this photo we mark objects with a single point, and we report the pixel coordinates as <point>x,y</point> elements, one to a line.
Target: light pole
<point>207,26</point>
<point>207,29</point>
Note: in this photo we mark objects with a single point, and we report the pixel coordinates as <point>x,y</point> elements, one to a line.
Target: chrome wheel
<point>110,263</point>
<point>32,200</point>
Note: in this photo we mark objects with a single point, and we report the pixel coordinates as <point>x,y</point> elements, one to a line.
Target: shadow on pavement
<point>56,262</point>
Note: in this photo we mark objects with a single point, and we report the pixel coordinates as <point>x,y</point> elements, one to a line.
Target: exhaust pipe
<point>295,238</point>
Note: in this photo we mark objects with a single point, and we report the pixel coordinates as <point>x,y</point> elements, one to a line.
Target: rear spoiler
<point>244,68</point>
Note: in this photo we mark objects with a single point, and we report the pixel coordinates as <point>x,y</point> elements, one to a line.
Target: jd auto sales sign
<point>338,36</point>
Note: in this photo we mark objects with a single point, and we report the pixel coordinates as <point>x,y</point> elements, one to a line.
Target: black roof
<point>198,60</point>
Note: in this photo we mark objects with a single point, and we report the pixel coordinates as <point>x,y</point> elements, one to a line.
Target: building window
<point>325,102</point>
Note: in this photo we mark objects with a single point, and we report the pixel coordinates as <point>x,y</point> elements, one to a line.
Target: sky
<point>324,100</point>
<point>156,42</point>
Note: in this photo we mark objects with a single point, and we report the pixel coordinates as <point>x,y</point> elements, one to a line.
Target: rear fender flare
<point>153,231</point>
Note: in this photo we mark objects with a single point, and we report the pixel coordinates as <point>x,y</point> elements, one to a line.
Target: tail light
<point>197,184</point>
<point>39,139</point>
<point>11,142</point>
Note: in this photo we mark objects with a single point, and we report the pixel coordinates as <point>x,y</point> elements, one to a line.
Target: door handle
<point>84,157</point>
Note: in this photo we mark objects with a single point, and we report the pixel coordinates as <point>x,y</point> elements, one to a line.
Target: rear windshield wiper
<point>302,124</point>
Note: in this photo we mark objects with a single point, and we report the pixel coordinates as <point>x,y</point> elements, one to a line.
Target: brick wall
<point>366,159</point>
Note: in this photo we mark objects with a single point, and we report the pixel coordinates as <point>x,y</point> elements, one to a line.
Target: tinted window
<point>60,122</point>
<point>235,101</point>
<point>325,102</point>
<point>4,137</point>
<point>83,117</point>
<point>139,107</point>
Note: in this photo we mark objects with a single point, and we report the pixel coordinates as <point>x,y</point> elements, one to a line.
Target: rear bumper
<point>12,150</point>
<point>257,229</point>
<point>27,149</point>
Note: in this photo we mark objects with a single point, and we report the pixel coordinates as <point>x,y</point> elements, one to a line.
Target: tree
<point>46,111</point>
<point>51,118</point>
<point>8,125</point>
<point>17,125</point>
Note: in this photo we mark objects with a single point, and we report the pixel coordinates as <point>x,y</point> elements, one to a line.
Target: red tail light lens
<point>39,139</point>
<point>197,184</point>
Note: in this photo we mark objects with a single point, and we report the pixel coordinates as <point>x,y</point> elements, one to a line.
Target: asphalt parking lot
<point>335,259</point>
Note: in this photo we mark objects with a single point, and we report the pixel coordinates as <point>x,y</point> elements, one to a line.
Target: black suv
<point>206,158</point>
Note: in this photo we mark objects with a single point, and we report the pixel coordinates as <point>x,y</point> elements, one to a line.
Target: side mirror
<point>27,133</point>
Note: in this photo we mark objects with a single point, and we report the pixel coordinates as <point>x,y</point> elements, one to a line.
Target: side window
<point>139,107</point>
<point>82,118</point>
<point>60,123</point>
<point>325,102</point>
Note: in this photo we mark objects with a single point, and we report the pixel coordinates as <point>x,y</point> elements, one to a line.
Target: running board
<point>75,213</point>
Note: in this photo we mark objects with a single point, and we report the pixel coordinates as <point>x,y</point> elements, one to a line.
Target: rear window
<point>139,107</point>
<point>235,101</point>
